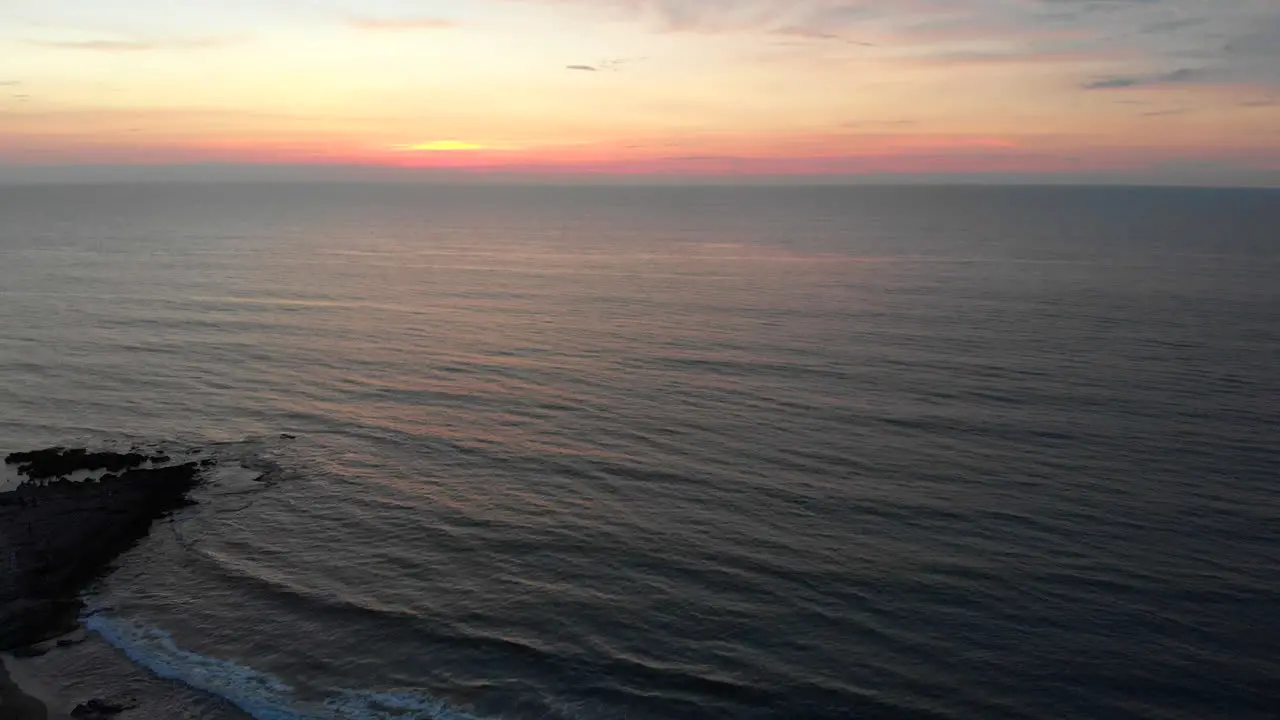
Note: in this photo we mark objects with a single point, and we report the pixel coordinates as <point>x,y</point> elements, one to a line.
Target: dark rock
<point>73,639</point>
<point>104,707</point>
<point>60,462</point>
<point>58,536</point>
<point>159,458</point>
<point>30,651</point>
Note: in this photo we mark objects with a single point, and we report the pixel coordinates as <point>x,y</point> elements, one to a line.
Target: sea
<point>656,453</point>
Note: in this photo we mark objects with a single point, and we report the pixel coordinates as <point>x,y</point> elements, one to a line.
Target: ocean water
<point>661,453</point>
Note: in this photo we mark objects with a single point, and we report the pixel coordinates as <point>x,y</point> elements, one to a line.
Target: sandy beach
<point>23,699</point>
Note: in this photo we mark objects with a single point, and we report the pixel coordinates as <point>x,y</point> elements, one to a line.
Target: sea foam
<point>260,694</point>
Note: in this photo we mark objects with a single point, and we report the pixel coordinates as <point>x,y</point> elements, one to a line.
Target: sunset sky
<point>1130,90</point>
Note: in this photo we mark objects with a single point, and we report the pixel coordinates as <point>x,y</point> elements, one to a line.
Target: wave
<point>261,695</point>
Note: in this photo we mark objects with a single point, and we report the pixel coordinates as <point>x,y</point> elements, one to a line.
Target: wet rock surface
<point>98,708</point>
<point>60,462</point>
<point>57,536</point>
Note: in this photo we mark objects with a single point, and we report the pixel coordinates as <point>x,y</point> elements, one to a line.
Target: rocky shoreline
<point>57,534</point>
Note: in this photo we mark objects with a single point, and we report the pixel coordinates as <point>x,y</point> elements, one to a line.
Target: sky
<point>1150,91</point>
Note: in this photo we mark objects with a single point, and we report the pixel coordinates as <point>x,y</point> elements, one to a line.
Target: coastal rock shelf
<point>57,535</point>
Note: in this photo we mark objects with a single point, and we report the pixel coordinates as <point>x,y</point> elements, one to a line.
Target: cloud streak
<point>1121,82</point>
<point>1166,113</point>
<point>128,46</point>
<point>610,65</point>
<point>106,46</point>
<point>407,24</point>
<point>1226,41</point>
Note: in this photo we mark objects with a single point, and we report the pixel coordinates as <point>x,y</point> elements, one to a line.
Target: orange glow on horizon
<point>493,85</point>
<point>440,146</point>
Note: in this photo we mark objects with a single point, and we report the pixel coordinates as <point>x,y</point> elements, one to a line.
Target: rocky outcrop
<point>60,462</point>
<point>57,536</point>
<point>101,708</point>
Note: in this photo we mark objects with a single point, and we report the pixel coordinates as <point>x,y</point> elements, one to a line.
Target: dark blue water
<point>671,453</point>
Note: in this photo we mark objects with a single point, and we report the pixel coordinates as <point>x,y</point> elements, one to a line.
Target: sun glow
<point>1005,90</point>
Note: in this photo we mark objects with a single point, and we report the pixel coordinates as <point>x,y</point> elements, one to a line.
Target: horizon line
<point>597,181</point>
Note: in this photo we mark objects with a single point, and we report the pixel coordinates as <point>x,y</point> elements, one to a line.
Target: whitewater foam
<point>259,694</point>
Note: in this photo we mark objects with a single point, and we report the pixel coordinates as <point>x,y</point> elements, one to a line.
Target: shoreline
<point>63,533</point>
<point>23,699</point>
<point>72,513</point>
